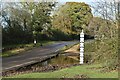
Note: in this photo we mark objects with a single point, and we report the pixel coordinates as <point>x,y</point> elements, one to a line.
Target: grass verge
<point>92,71</point>
<point>23,47</point>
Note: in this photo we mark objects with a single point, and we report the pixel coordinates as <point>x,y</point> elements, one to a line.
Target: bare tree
<point>109,11</point>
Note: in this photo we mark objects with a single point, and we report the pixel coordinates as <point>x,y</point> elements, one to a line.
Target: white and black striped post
<point>82,47</point>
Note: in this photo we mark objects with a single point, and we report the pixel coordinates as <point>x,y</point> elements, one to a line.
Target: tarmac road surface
<point>34,55</point>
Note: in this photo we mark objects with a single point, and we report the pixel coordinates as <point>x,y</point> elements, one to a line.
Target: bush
<point>88,58</point>
<point>108,53</point>
<point>104,52</point>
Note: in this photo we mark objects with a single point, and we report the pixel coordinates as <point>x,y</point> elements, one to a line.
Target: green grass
<point>71,72</point>
<point>23,47</point>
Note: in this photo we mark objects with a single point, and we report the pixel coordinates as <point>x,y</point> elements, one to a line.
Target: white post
<point>35,41</point>
<point>32,26</point>
<point>81,47</point>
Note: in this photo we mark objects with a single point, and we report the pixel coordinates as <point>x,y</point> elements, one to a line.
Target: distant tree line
<point>24,22</point>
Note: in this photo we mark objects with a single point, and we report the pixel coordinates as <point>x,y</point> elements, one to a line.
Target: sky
<point>86,1</point>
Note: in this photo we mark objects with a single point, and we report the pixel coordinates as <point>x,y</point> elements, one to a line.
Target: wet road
<point>33,56</point>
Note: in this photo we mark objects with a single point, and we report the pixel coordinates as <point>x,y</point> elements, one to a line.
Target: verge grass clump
<point>104,52</point>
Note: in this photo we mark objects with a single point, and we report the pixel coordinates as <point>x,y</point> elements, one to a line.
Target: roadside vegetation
<point>97,64</point>
<point>22,23</point>
<point>103,52</point>
<point>11,50</point>
<point>87,71</point>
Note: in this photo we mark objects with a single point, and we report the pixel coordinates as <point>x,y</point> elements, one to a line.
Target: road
<point>34,55</point>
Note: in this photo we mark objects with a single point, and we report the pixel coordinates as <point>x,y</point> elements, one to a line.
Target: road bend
<point>34,55</point>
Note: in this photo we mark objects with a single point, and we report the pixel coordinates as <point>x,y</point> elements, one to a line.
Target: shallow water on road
<point>59,60</point>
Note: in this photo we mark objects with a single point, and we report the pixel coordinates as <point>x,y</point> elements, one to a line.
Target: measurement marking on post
<point>81,47</point>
